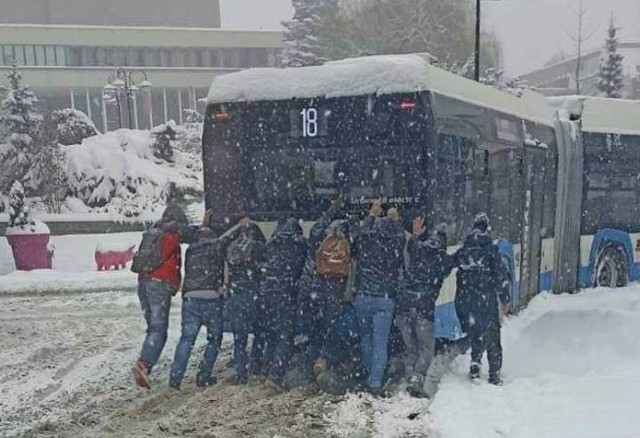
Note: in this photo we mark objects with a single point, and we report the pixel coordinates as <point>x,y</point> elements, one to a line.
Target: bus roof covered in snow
<point>601,115</point>
<point>384,74</point>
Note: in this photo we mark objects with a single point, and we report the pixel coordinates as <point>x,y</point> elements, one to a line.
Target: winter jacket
<point>246,277</point>
<point>482,278</point>
<point>174,213</point>
<point>284,259</point>
<point>204,262</point>
<point>169,271</point>
<point>380,252</point>
<point>427,270</point>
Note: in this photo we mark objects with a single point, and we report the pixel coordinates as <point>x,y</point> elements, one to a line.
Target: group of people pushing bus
<point>323,306</point>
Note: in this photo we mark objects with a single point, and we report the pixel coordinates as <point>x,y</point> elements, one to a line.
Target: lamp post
<point>477,50</point>
<point>126,80</point>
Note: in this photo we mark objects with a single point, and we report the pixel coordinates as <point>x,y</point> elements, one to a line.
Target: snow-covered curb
<point>42,282</point>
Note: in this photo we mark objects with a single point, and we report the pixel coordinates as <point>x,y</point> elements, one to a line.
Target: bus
<point>290,141</point>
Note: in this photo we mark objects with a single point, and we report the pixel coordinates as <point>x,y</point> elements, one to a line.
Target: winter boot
<point>141,374</point>
<point>415,386</point>
<point>320,366</point>
<point>495,378</point>
<point>474,371</point>
<point>274,384</point>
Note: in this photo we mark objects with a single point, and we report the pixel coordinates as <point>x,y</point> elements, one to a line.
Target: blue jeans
<point>198,312</point>
<point>155,300</point>
<point>375,316</point>
<point>241,313</point>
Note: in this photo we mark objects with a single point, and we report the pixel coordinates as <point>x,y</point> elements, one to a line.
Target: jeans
<point>419,341</point>
<point>155,300</point>
<point>241,315</point>
<point>375,316</point>
<point>198,312</point>
<point>273,340</point>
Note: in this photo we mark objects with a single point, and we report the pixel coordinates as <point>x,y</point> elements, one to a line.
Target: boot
<point>474,371</point>
<point>495,378</point>
<point>141,374</point>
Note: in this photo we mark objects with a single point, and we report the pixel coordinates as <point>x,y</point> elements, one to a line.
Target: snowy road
<point>65,372</point>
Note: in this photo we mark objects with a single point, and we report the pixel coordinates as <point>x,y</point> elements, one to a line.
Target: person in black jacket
<point>482,280</point>
<point>429,265</point>
<point>380,257</point>
<point>322,296</point>
<point>202,293</point>
<point>277,301</point>
<point>245,254</point>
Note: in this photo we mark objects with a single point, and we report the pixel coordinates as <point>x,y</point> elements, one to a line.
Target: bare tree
<point>579,36</point>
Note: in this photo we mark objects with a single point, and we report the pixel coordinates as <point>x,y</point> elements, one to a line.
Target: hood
<point>207,233</point>
<point>339,226</point>
<point>289,229</point>
<point>387,226</point>
<point>478,239</point>
<point>255,232</point>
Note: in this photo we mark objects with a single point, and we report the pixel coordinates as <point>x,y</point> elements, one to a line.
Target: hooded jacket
<point>247,276</point>
<point>482,279</point>
<point>427,270</point>
<point>204,262</point>
<point>380,252</point>
<point>284,258</point>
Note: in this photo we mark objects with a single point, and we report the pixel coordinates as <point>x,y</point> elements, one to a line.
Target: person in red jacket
<point>155,291</point>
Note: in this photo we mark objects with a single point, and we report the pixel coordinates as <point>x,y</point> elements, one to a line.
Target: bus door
<point>533,173</point>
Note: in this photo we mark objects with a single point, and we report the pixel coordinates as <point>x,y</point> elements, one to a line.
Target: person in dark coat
<point>175,212</point>
<point>322,296</point>
<point>429,265</point>
<point>482,281</point>
<point>380,257</point>
<point>277,301</point>
<point>245,254</point>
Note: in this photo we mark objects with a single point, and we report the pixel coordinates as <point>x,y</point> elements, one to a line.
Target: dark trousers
<point>273,340</point>
<point>241,313</point>
<point>487,340</point>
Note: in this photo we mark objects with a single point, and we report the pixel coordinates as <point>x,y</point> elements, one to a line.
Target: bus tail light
<point>407,105</point>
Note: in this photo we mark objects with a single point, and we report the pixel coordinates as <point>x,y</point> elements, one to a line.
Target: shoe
<point>376,391</point>
<point>275,384</point>
<point>141,374</point>
<point>415,386</point>
<point>174,385</point>
<point>320,366</point>
<point>474,371</point>
<point>495,379</point>
<point>240,380</point>
<point>206,383</point>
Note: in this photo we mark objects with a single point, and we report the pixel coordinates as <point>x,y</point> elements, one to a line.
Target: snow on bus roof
<point>602,115</point>
<point>383,74</point>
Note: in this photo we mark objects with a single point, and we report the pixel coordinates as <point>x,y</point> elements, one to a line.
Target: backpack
<point>333,258</point>
<point>243,250</point>
<point>148,258</point>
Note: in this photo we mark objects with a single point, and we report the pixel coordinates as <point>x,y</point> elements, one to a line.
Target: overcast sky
<point>531,31</point>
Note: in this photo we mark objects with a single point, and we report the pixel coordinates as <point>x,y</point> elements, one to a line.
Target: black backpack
<point>148,258</point>
<point>245,249</point>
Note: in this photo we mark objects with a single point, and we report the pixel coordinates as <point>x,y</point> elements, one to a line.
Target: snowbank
<point>46,281</point>
<point>73,253</point>
<point>570,370</point>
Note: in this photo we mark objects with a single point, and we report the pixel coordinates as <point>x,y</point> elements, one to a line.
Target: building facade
<point>562,78</point>
<point>69,66</point>
<point>190,13</point>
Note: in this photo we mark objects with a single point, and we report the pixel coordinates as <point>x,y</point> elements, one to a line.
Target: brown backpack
<point>333,258</point>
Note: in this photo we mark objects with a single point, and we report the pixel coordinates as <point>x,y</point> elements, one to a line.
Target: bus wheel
<point>611,268</point>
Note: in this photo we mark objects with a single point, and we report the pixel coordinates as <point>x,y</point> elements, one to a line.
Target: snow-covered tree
<point>73,126</point>
<point>19,123</point>
<point>635,85</point>
<point>164,135</point>
<point>304,35</point>
<point>189,136</point>
<point>18,211</point>
<point>497,79</point>
<point>611,69</point>
<point>47,174</point>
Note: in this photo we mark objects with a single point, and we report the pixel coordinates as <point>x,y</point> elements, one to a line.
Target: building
<point>192,13</point>
<point>560,78</point>
<point>69,60</point>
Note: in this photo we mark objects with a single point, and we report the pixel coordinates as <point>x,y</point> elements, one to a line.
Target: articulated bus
<point>289,141</point>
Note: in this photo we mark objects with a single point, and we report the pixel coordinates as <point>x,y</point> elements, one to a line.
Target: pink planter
<point>30,251</point>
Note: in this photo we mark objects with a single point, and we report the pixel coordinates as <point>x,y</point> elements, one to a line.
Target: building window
<point>29,55</point>
<point>40,55</point>
<point>60,55</point>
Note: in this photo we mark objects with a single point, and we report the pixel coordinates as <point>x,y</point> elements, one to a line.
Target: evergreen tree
<point>307,35</point>
<point>19,123</point>
<point>611,73</point>
<point>73,126</point>
<point>164,136</point>
<point>47,175</point>
<point>18,211</point>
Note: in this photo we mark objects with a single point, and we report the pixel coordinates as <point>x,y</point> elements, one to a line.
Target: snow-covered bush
<point>163,137</point>
<point>19,123</point>
<point>118,172</point>
<point>18,210</point>
<point>189,135</point>
<point>73,126</point>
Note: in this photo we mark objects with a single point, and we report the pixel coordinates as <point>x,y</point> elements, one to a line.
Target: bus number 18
<point>309,122</point>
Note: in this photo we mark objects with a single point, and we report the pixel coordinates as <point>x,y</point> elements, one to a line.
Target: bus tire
<point>611,268</point>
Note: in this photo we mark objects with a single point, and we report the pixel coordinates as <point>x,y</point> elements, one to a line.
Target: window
<point>8,55</point>
<point>611,192</point>
<point>50,55</point>
<point>40,55</point>
<point>60,55</point>
<point>29,55</point>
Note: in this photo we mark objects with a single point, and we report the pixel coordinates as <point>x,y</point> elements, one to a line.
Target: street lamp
<point>477,51</point>
<point>126,80</point>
